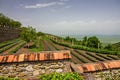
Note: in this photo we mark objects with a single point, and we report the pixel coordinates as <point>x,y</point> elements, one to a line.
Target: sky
<point>79,17</point>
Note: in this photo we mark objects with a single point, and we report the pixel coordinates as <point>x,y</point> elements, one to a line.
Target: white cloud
<point>43,5</point>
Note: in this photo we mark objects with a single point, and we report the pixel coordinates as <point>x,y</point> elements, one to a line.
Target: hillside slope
<point>117,46</point>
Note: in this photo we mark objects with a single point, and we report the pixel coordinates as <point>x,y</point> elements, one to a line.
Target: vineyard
<point>38,53</point>
<point>37,42</point>
<point>84,61</point>
<point>78,56</point>
<point>10,47</point>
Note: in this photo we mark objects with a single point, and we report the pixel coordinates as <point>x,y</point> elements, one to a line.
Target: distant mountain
<point>105,39</point>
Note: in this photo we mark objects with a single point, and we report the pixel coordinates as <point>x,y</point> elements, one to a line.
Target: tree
<point>40,34</point>
<point>15,24</point>
<point>70,39</point>
<point>29,34</point>
<point>67,38</point>
<point>109,47</point>
<point>93,42</point>
<point>84,42</point>
<point>7,22</point>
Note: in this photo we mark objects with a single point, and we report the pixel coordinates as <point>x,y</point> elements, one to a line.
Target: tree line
<point>7,22</point>
<point>92,42</point>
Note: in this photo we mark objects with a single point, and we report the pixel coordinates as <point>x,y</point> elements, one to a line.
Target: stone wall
<point>98,73</point>
<point>7,33</point>
<point>33,69</point>
<point>114,74</point>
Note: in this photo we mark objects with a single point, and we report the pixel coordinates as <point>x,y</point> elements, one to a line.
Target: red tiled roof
<point>41,56</point>
<point>91,67</point>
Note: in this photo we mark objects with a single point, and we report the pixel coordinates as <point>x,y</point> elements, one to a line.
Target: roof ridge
<point>99,66</point>
<point>36,56</point>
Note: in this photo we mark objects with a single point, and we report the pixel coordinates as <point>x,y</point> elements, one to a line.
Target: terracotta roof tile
<point>41,56</point>
<point>21,57</point>
<point>36,57</point>
<point>4,59</point>
<point>61,56</point>
<point>15,58</point>
<point>31,57</point>
<point>106,65</point>
<point>117,64</point>
<point>101,66</point>
<point>1,57</point>
<point>110,65</point>
<point>26,57</point>
<point>56,56</point>
<point>10,58</point>
<point>113,65</point>
<point>90,67</point>
<point>49,55</point>
<point>66,55</point>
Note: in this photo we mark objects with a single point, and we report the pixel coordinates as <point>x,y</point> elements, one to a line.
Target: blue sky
<point>81,17</point>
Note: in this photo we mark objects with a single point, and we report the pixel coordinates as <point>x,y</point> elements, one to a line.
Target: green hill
<point>117,46</point>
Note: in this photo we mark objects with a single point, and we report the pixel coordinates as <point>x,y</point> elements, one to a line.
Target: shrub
<point>59,76</point>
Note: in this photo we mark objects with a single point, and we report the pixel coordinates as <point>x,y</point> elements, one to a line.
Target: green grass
<point>7,78</point>
<point>5,43</point>
<point>9,46</point>
<point>17,48</point>
<point>61,76</point>
<point>35,50</point>
<point>40,48</point>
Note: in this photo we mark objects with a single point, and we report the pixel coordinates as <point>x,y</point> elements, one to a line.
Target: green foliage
<point>84,42</point>
<point>116,46</point>
<point>39,47</point>
<point>70,39</point>
<point>36,49</point>
<point>91,49</point>
<point>6,78</point>
<point>5,21</point>
<point>9,46</point>
<point>17,48</point>
<point>40,34</point>
<point>5,43</point>
<point>29,34</point>
<point>109,47</point>
<point>93,42</point>
<point>59,76</point>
